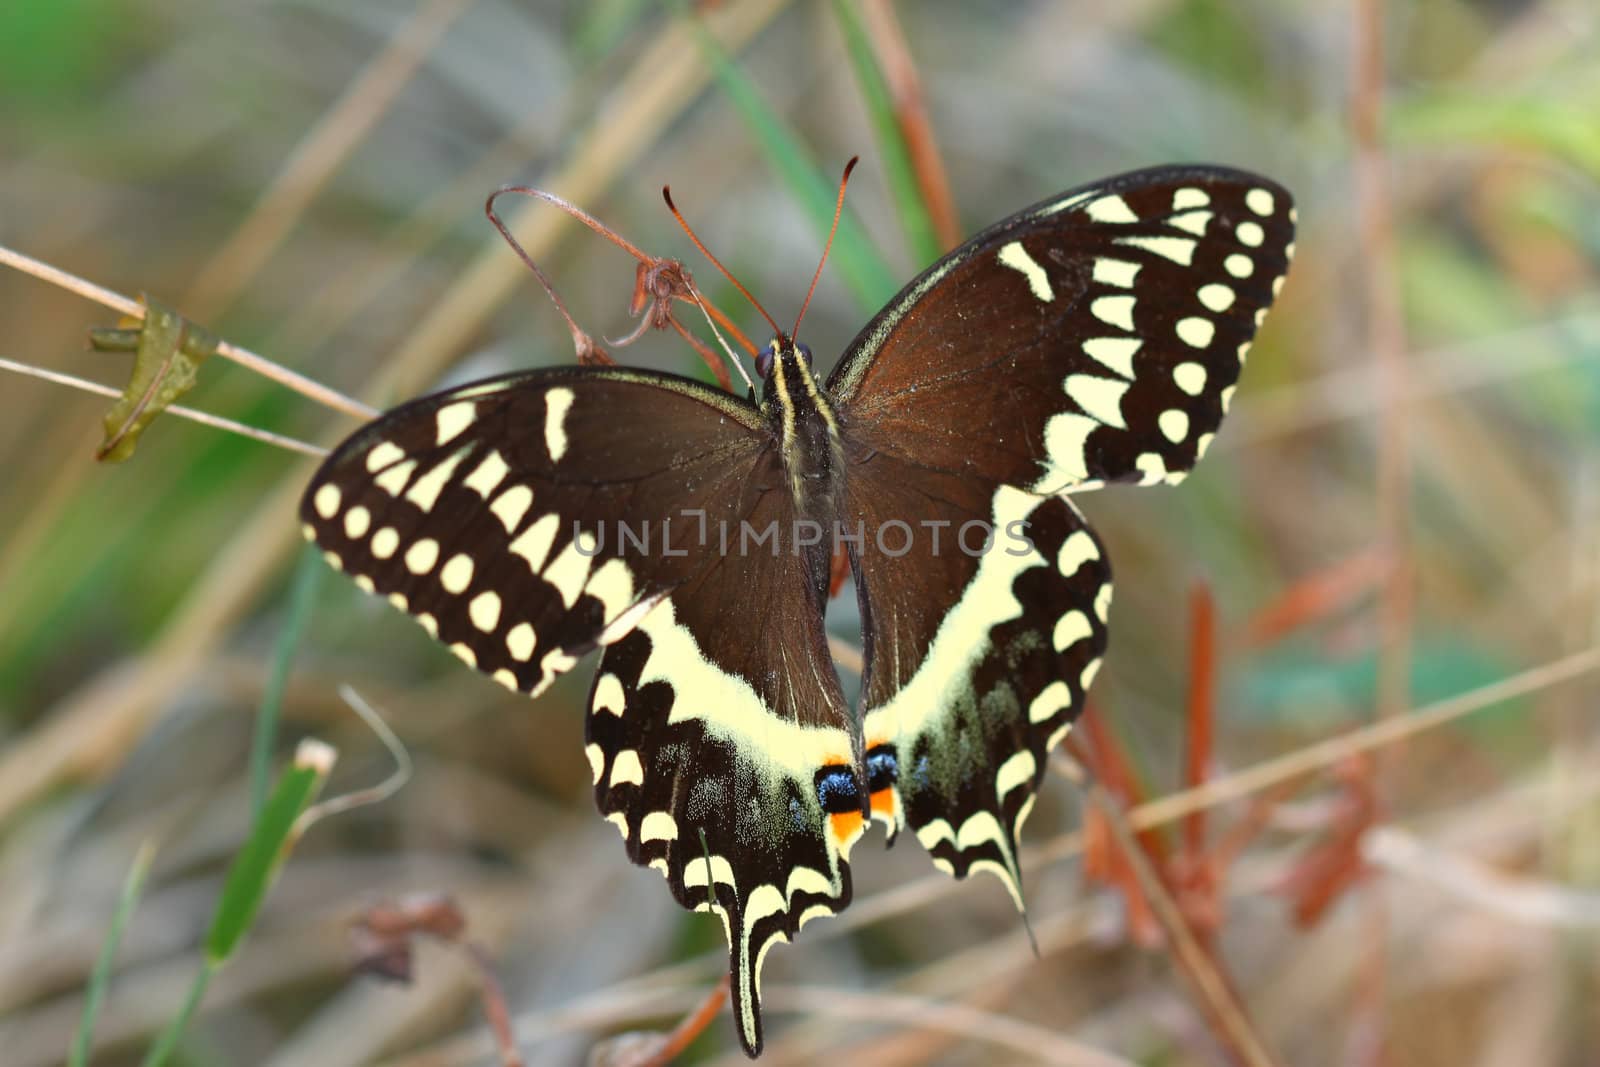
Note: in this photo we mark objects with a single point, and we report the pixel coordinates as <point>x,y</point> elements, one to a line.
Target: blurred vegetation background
<point>1408,477</point>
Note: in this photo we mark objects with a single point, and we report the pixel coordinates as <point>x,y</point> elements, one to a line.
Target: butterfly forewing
<point>490,513</point>
<point>1094,338</point>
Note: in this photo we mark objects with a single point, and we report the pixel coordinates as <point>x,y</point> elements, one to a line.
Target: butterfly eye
<point>764,359</point>
<point>805,352</point>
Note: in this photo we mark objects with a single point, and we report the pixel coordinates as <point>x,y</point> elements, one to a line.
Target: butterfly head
<point>776,351</point>
<point>789,390</point>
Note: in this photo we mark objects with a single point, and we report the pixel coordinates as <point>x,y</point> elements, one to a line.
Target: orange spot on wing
<point>883,803</point>
<point>845,825</point>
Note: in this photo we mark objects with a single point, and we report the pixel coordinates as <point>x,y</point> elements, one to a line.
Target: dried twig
<point>1386,339</point>
<point>665,1048</point>
<point>1035,1043</point>
<point>383,937</point>
<point>376,794</point>
<point>1315,597</point>
<point>1378,735</point>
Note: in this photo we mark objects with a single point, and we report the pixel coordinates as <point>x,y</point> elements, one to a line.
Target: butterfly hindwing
<point>723,750</point>
<point>1096,337</point>
<point>980,647</point>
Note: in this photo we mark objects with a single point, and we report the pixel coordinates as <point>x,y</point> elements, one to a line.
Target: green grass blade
<point>899,170</point>
<point>100,977</point>
<point>167,1043</point>
<point>257,864</point>
<point>859,264</point>
<point>302,595</point>
<point>254,869</point>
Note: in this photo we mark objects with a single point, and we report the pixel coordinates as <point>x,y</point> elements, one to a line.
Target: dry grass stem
<point>311,390</point>
<point>1381,845</point>
<point>1216,993</point>
<point>1519,900</point>
<point>203,418</point>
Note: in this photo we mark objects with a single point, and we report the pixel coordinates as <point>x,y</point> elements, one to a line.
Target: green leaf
<point>859,263</point>
<point>256,866</point>
<point>166,364</point>
<point>100,978</point>
<point>898,167</point>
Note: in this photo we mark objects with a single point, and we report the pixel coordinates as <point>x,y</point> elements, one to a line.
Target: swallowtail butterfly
<point>530,519</point>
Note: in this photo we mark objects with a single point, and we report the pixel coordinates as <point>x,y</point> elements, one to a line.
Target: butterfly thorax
<point>803,421</point>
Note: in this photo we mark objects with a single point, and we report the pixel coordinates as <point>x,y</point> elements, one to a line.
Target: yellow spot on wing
<point>453,419</point>
<point>510,506</point>
<point>457,574</point>
<point>1100,398</point>
<point>1111,209</point>
<point>557,402</point>
<point>1070,629</point>
<point>533,544</point>
<point>1016,257</point>
<point>327,501</point>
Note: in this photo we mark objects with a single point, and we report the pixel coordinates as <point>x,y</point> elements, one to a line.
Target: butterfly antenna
<point>838,210</point>
<point>666,194</point>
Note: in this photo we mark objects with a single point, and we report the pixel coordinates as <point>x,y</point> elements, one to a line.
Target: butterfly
<point>527,520</point>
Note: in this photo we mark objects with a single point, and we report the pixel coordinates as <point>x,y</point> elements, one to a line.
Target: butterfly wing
<point>491,512</point>
<point>723,749</point>
<point>1093,338</point>
<point>980,645</point>
<point>527,520</point>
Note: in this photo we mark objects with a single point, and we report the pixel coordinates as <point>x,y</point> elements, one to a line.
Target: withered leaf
<point>168,352</point>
